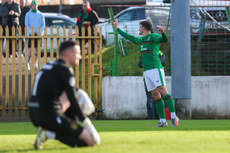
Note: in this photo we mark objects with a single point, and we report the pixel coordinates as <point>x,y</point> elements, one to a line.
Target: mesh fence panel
<point>210,37</point>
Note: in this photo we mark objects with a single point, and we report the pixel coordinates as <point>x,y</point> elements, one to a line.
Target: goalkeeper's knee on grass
<point>92,130</point>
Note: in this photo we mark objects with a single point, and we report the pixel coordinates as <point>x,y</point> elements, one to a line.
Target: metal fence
<point>210,37</point>
<point>16,80</point>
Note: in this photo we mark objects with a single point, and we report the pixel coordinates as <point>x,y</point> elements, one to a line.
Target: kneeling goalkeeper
<point>56,106</point>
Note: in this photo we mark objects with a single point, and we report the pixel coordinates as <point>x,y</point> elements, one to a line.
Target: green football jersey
<point>149,48</point>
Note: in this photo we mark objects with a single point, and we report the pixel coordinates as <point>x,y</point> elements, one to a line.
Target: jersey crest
<point>148,38</point>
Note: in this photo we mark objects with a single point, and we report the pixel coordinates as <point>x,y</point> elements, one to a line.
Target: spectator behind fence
<point>34,18</point>
<point>3,1</point>
<point>87,17</point>
<point>10,12</point>
<point>24,10</point>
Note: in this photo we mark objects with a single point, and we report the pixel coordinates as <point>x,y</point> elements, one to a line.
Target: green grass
<point>130,136</point>
<point>128,65</point>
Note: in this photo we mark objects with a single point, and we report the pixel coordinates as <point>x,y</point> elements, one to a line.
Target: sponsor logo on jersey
<point>142,48</point>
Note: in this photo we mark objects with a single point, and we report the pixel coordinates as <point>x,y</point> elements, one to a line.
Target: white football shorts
<point>154,78</point>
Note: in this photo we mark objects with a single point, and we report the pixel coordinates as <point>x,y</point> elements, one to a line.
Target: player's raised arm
<point>163,38</point>
<point>133,39</point>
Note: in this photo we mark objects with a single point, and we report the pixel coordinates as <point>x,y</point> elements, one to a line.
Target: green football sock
<point>169,102</point>
<point>160,108</point>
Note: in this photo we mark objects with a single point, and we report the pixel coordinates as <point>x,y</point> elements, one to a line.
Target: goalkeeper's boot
<point>162,124</point>
<point>41,138</point>
<point>175,122</point>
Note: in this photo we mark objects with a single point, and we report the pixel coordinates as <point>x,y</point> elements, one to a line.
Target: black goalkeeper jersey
<point>50,82</point>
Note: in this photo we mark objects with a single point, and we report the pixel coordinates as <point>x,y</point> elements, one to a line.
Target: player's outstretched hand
<point>160,28</point>
<point>115,24</point>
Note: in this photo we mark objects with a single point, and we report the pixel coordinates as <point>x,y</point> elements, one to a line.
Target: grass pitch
<point>129,136</point>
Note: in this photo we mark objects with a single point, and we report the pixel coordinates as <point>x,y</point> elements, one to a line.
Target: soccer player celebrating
<point>56,104</point>
<point>153,70</point>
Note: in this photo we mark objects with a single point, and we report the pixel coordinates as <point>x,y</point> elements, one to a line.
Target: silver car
<point>159,14</point>
<point>129,20</point>
<point>57,20</point>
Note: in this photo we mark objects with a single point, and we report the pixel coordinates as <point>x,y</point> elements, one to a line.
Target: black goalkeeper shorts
<point>50,120</point>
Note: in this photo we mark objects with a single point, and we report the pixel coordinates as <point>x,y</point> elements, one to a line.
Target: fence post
<point>115,60</point>
<point>77,66</point>
<point>7,69</point>
<point>58,41</point>
<point>13,66</point>
<point>83,58</point>
<point>89,63</point>
<point>1,48</point>
<point>26,66</point>
<point>181,57</point>
<point>45,45</point>
<point>39,48</point>
<point>51,44</point>
<point>228,14</point>
<point>20,67</point>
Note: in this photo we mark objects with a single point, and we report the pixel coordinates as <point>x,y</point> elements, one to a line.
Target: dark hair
<point>147,25</point>
<point>88,3</point>
<point>65,45</point>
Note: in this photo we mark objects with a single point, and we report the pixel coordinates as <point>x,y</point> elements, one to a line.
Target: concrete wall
<point>124,97</point>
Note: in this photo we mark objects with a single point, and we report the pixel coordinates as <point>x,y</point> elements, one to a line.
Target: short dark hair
<point>88,3</point>
<point>65,45</point>
<point>147,25</point>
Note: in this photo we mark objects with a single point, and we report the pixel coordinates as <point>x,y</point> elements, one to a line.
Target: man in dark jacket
<point>24,10</point>
<point>87,17</point>
<point>10,12</point>
<point>3,1</point>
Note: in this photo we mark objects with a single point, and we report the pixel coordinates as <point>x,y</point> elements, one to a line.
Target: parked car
<point>101,20</point>
<point>213,11</point>
<point>56,20</point>
<point>129,20</point>
<point>159,14</point>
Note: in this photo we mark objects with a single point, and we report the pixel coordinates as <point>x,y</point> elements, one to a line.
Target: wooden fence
<point>16,80</point>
